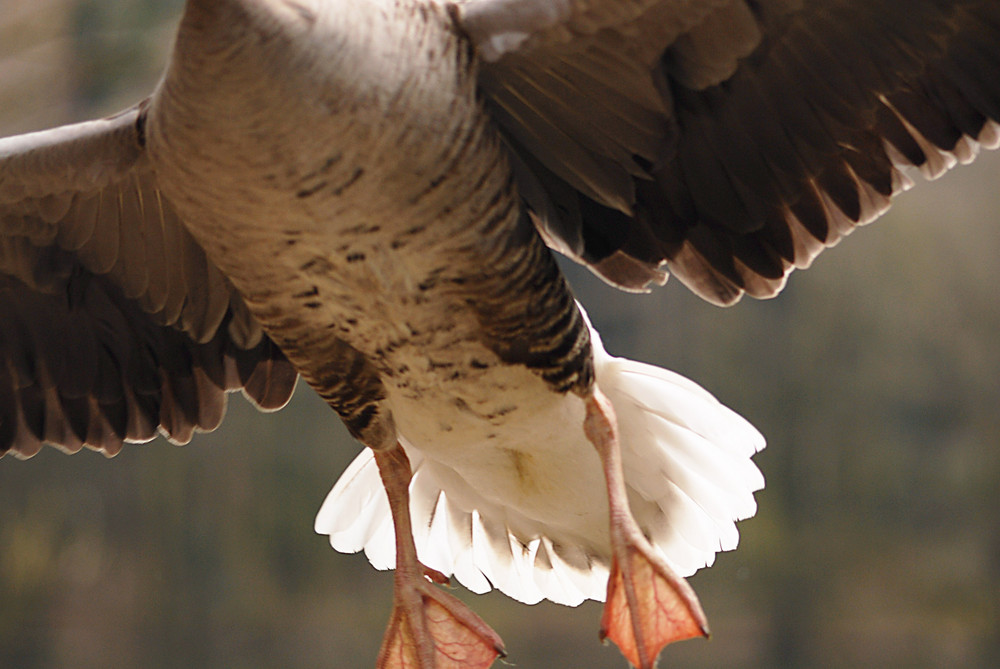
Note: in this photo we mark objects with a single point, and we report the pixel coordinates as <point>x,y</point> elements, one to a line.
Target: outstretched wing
<point>114,324</point>
<point>733,140</point>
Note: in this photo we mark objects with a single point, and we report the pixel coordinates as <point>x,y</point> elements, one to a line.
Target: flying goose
<point>362,193</point>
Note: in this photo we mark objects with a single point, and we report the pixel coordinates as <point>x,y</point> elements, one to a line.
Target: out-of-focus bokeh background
<point>875,377</point>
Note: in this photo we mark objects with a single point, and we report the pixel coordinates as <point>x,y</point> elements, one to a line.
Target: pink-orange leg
<point>648,605</point>
<point>429,629</point>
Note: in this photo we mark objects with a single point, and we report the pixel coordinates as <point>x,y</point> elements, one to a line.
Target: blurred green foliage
<point>875,377</point>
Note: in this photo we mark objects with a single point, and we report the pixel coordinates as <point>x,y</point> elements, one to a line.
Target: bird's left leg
<point>648,605</point>
<point>429,629</point>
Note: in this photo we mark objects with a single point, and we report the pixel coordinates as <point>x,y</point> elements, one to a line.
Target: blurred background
<point>875,377</point>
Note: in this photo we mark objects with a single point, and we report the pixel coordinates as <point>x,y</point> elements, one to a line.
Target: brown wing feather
<point>780,125</point>
<point>85,366</point>
<point>115,325</point>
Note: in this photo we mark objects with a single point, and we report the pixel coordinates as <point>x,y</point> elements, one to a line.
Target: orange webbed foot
<point>430,629</point>
<point>648,605</point>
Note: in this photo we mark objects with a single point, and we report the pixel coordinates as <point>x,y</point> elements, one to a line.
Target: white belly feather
<point>508,493</point>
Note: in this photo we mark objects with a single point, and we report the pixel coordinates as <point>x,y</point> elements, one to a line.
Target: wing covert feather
<point>732,141</point>
<point>116,325</point>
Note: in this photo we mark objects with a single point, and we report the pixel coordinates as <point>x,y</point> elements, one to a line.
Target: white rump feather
<point>688,467</point>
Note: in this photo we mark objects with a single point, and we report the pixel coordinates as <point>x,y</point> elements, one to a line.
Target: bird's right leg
<point>429,629</point>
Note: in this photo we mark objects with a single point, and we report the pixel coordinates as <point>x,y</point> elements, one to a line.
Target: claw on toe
<point>460,639</point>
<point>434,576</point>
<point>648,606</point>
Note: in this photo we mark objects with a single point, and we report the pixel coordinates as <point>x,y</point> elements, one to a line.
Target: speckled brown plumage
<point>366,192</point>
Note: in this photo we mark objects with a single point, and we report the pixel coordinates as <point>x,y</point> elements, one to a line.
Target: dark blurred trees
<point>874,377</point>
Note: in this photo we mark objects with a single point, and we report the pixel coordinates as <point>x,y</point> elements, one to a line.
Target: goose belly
<point>501,434</point>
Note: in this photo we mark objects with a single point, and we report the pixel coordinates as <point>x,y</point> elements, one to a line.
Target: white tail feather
<point>687,461</point>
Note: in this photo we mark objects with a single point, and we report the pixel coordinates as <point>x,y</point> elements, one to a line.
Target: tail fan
<point>687,461</point>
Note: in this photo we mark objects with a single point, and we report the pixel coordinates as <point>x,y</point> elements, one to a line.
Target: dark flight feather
<point>796,123</point>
